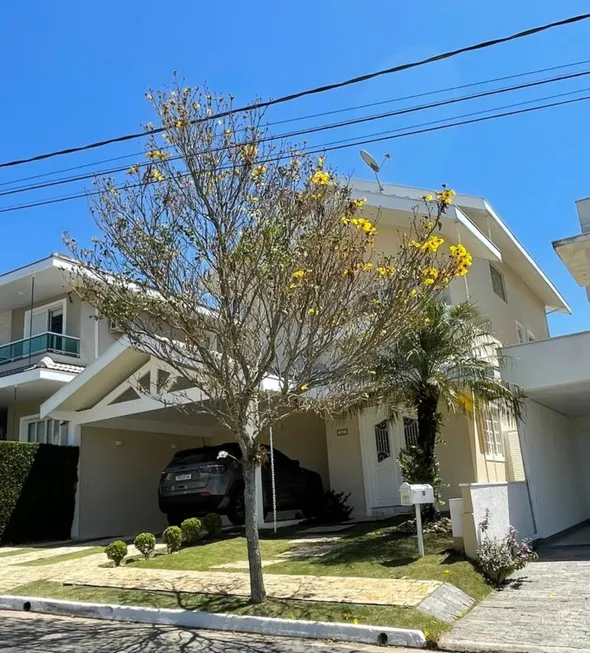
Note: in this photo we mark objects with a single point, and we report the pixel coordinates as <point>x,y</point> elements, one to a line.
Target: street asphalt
<point>33,633</point>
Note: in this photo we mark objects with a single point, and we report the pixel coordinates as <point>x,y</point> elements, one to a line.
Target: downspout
<point>31,315</point>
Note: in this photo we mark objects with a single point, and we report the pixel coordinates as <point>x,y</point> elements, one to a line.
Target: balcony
<point>42,343</point>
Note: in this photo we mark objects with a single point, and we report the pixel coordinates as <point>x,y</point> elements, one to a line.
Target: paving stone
<point>543,610</point>
<point>315,540</point>
<point>310,551</point>
<point>243,564</point>
<point>446,603</point>
<point>336,528</point>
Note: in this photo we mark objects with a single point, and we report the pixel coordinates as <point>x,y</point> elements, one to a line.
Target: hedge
<point>37,491</point>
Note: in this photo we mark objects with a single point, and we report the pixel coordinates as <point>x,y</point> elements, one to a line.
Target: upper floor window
<point>492,434</point>
<point>49,318</point>
<point>498,285</point>
<point>43,431</point>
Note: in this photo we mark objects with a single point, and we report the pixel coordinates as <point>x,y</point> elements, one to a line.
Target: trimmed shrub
<point>116,551</point>
<point>172,538</point>
<point>336,508</point>
<point>37,491</point>
<point>212,524</point>
<point>145,543</point>
<point>191,531</point>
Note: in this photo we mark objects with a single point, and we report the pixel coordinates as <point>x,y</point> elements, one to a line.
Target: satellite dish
<point>375,167</point>
<point>370,161</point>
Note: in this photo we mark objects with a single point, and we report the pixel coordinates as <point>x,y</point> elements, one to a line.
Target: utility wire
<point>318,128</point>
<point>330,147</point>
<point>322,114</point>
<point>313,91</point>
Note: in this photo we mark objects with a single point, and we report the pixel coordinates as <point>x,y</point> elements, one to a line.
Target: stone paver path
<point>379,591</point>
<point>545,610</point>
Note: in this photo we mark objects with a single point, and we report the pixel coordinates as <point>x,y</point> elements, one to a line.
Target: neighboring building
<point>47,337</point>
<point>126,438</point>
<point>555,436</point>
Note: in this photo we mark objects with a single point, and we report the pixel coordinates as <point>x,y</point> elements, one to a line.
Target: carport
<point>127,437</point>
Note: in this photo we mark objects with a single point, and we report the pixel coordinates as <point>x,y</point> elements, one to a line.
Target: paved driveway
<point>546,609</point>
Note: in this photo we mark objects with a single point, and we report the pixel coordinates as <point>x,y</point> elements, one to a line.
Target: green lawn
<point>363,551</point>
<point>63,557</point>
<point>6,554</point>
<point>366,614</point>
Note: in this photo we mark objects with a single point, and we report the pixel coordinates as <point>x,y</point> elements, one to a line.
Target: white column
<point>75,439</point>
<point>259,497</point>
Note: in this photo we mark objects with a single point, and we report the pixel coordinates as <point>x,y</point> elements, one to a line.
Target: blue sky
<point>74,72</point>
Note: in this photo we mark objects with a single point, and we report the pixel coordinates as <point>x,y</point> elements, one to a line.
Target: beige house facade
<point>73,380</point>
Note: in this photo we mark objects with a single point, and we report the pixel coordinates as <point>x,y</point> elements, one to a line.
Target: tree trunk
<point>257,591</point>
<point>428,425</point>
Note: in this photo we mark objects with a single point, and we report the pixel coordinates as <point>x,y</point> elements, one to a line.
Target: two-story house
<point>127,437</point>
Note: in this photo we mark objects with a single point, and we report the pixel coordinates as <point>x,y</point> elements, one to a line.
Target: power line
<point>330,147</point>
<point>313,91</point>
<point>318,128</point>
<point>322,114</point>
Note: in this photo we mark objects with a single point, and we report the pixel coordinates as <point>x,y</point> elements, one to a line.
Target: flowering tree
<point>247,267</point>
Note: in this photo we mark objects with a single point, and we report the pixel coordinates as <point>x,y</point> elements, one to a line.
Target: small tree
<point>245,266</point>
<point>450,359</point>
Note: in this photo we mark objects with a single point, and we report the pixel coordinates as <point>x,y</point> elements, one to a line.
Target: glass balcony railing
<point>39,344</point>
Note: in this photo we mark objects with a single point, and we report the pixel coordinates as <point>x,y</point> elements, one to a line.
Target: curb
<point>227,622</point>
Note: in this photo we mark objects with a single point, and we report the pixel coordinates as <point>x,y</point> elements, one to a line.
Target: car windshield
<point>204,454</point>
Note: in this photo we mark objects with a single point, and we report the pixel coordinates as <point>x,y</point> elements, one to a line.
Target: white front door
<point>381,440</point>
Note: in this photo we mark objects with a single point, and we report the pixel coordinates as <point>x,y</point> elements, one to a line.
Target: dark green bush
<point>145,543</point>
<point>212,524</point>
<point>37,491</point>
<point>116,551</point>
<point>172,538</point>
<point>191,531</point>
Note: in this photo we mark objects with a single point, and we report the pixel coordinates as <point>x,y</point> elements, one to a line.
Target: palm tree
<point>452,362</point>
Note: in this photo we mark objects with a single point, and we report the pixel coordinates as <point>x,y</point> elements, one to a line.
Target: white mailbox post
<point>415,495</point>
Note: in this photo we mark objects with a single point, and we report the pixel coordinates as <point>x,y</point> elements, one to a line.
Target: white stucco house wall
<point>126,438</point>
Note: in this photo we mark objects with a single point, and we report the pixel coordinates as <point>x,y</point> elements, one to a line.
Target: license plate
<point>183,477</point>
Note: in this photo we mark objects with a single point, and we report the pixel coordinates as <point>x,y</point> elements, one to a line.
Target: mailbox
<point>416,493</point>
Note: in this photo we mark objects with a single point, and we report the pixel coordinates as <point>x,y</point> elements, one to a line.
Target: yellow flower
<point>426,634</point>
<point>381,270</point>
<point>432,244</point>
<point>428,282</point>
<point>358,203</point>
<point>133,169</point>
<point>367,266</point>
<point>249,152</point>
<point>258,173</point>
<point>415,243</point>
<point>445,197</point>
<point>157,175</point>
<point>447,571</point>
<point>413,292</point>
<point>304,387</point>
<point>321,178</point>
<point>428,198</point>
<point>298,274</point>
<point>292,286</point>
<point>355,621</point>
<point>312,311</point>
<point>157,154</point>
<point>430,272</point>
<point>427,320</point>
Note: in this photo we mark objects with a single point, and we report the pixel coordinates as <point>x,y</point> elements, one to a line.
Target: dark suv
<point>196,482</point>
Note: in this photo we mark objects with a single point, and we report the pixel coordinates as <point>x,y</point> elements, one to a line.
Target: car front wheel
<point>236,511</point>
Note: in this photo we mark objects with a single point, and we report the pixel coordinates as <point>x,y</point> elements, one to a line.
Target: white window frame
<point>530,336</point>
<point>28,419</point>
<point>495,269</point>
<point>492,439</point>
<point>520,330</point>
<point>61,303</point>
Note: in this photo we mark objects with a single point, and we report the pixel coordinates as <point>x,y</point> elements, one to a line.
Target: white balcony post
<point>75,439</point>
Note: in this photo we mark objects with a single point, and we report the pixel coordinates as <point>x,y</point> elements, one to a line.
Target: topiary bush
<point>213,525</point>
<point>145,543</point>
<point>116,551</point>
<point>191,531</point>
<point>37,491</point>
<point>172,538</point>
